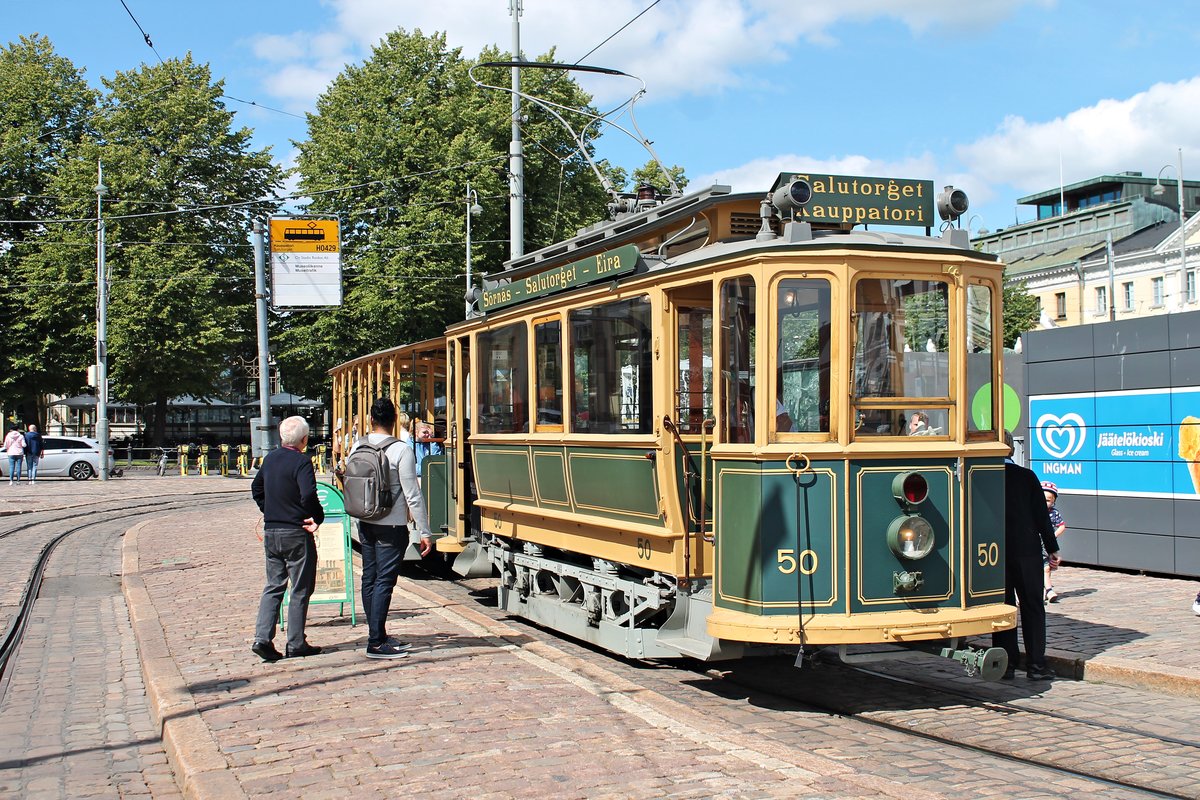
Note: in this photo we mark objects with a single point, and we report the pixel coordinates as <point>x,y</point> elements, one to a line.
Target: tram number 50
<point>989,554</point>
<point>789,562</point>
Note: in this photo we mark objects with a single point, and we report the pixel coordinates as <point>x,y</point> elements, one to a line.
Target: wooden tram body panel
<point>788,546</point>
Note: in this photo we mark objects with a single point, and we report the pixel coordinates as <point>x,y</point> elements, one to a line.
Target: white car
<point>63,457</point>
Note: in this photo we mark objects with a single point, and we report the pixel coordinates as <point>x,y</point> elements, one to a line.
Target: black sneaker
<point>266,651</point>
<point>1009,674</point>
<point>387,650</point>
<point>1041,674</point>
<point>303,650</point>
<point>396,643</point>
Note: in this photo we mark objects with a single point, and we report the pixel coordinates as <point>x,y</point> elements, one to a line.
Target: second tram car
<point>722,422</point>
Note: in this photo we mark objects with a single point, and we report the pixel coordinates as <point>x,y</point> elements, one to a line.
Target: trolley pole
<point>260,302</point>
<point>101,327</point>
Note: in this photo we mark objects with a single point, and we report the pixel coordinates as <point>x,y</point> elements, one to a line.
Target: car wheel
<point>81,471</point>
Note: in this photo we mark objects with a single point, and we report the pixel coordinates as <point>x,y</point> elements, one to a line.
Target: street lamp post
<point>1158,191</point>
<point>473,210</point>
<point>101,327</point>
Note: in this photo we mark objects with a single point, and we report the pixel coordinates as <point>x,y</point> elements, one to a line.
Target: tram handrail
<point>705,427</point>
<point>689,475</point>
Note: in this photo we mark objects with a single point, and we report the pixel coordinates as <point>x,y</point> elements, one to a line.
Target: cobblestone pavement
<point>489,707</point>
<point>74,721</point>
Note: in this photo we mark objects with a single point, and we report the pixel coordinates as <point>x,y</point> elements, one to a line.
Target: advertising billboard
<point>1132,443</point>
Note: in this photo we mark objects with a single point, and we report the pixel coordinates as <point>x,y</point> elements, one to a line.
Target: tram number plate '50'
<point>989,554</point>
<point>789,562</point>
<point>644,549</point>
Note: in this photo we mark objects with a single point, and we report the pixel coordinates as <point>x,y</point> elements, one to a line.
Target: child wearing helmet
<point>1060,525</point>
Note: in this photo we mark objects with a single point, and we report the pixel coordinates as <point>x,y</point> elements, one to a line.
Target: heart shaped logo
<point>1061,437</point>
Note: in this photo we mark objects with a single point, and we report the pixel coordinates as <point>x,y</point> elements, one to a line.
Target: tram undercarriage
<point>638,616</point>
<point>648,616</point>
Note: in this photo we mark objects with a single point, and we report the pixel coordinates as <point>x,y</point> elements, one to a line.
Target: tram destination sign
<point>306,263</point>
<point>860,200</point>
<point>601,266</point>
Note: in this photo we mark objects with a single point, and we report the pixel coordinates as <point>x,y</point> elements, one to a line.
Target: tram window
<point>981,364</point>
<point>693,395</point>
<point>738,314</point>
<point>802,350</point>
<point>611,378</point>
<point>547,361</point>
<point>902,339</point>
<point>503,358</point>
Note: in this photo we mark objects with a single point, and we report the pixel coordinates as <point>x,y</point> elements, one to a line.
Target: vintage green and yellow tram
<point>725,421</point>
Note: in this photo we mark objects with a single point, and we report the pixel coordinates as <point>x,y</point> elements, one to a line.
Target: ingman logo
<point>1061,437</point>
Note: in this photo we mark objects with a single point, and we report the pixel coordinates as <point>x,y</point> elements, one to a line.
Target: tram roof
<point>436,346</point>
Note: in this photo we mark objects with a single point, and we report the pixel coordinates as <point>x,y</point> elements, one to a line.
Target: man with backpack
<point>384,493</point>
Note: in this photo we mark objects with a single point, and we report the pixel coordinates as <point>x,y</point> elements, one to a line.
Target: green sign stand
<point>335,573</point>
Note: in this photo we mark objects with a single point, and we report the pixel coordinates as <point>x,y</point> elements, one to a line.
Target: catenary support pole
<point>264,376</point>
<point>101,327</point>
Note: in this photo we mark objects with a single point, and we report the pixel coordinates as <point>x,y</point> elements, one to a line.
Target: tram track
<point>1024,750</point>
<point>18,622</point>
<point>773,682</point>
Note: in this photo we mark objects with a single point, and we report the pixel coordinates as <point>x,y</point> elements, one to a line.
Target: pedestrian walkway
<point>469,707</point>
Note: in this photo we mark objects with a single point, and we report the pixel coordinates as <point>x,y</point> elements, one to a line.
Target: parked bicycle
<point>162,461</point>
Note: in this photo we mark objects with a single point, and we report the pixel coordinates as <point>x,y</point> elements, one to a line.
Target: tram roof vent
<point>593,235</point>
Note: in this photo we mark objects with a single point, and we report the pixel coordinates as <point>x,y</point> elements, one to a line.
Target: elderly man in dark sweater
<point>285,490</point>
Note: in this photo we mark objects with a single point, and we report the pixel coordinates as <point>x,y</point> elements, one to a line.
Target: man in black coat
<point>285,489</point>
<point>1027,530</point>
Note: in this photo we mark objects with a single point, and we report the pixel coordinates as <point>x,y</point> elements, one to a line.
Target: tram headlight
<point>952,203</point>
<point>795,195</point>
<point>911,537</point>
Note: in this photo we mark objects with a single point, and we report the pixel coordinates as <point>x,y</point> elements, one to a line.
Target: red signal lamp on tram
<point>910,536</point>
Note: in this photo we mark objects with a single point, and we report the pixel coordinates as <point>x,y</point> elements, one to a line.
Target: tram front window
<point>802,352</point>
<point>901,350</point>
<point>981,364</point>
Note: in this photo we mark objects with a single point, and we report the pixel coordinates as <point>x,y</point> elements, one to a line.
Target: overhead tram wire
<point>258,201</point>
<point>145,35</point>
<point>254,103</point>
<point>617,31</point>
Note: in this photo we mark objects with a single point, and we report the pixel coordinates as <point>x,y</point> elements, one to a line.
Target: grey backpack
<point>368,480</point>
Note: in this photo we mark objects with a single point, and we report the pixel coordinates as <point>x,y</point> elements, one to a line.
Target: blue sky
<point>990,95</point>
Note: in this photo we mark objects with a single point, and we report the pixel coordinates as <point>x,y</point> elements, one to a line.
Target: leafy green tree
<point>45,110</point>
<point>407,130</point>
<point>181,306</point>
<point>1020,311</point>
<point>652,174</point>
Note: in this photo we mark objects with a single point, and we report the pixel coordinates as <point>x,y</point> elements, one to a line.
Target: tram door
<point>465,519</point>
<point>692,401</point>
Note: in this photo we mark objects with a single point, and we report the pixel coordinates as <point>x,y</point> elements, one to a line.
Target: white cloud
<point>758,175</point>
<point>1141,132</point>
<point>677,47</point>
<point>299,85</point>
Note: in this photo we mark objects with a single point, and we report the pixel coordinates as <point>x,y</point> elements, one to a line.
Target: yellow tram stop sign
<point>306,262</point>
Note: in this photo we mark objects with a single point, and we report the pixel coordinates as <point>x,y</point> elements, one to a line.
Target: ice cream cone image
<point>1189,448</point>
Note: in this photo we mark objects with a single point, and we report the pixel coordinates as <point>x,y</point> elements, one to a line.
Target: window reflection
<point>901,349</point>
<point>802,350</point>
